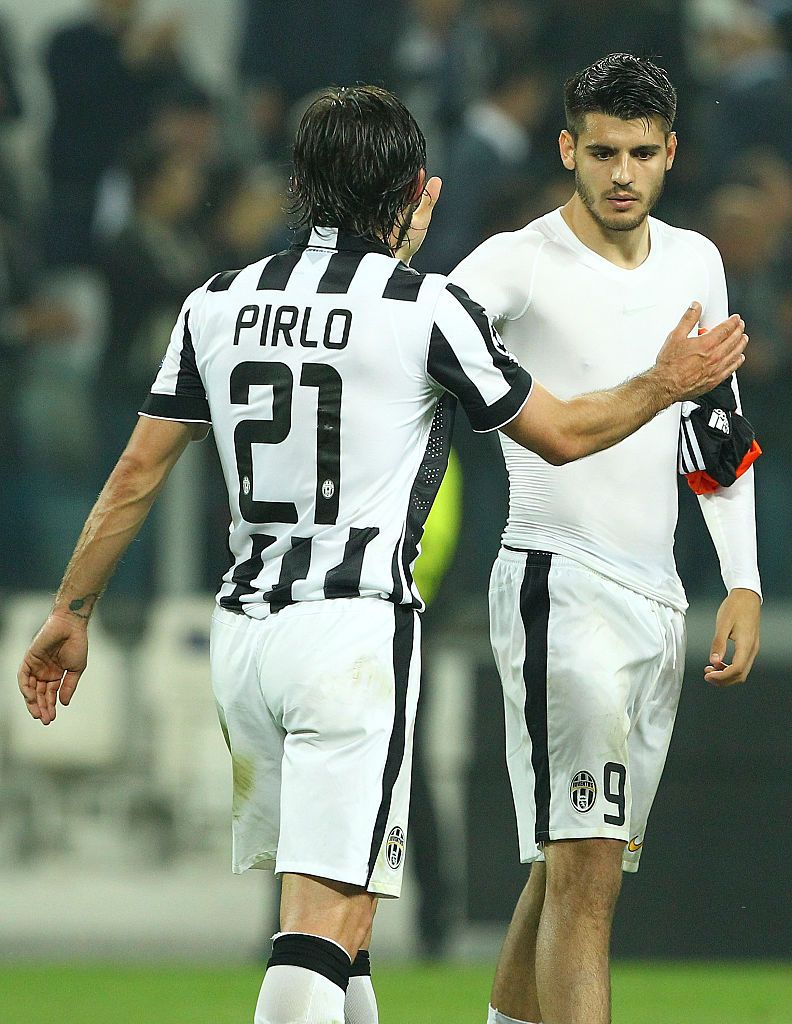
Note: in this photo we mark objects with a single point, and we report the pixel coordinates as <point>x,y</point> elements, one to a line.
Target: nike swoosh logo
<point>634,847</point>
<point>639,309</point>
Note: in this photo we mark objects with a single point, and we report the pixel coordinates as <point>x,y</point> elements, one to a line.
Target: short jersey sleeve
<point>467,357</point>
<point>178,392</point>
<point>499,273</point>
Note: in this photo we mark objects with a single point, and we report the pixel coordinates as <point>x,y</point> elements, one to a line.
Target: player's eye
<point>645,154</point>
<point>601,154</point>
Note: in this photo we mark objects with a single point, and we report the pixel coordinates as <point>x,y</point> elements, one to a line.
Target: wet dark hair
<point>620,85</point>
<point>357,156</point>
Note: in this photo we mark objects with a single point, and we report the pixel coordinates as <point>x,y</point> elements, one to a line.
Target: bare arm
<point>562,431</point>
<point>58,653</point>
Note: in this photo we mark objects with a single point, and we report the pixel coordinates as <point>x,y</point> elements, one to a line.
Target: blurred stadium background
<point>145,145</point>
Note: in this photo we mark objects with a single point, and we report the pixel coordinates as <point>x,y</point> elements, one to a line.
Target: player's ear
<point>419,187</point>
<point>671,145</point>
<point>566,147</point>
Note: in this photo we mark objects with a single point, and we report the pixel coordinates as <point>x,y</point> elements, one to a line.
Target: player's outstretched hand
<point>53,665</point>
<point>738,621</point>
<point>696,365</point>
<point>419,224</point>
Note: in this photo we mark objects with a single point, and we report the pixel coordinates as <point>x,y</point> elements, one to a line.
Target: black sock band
<point>322,956</point>
<point>361,965</point>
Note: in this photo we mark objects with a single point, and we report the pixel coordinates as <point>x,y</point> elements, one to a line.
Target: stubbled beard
<point>621,223</point>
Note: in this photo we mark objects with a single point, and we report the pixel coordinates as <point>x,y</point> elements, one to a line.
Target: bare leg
<point>366,942</point>
<point>572,963</point>
<point>307,976</point>
<point>514,988</point>
<point>333,910</point>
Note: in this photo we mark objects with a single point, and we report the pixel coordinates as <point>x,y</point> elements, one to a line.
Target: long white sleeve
<point>730,516</point>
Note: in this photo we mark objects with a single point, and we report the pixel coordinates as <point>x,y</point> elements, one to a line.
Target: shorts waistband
<point>526,556</point>
<point>543,559</point>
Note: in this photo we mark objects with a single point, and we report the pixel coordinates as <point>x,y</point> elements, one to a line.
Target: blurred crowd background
<point>140,176</point>
<point>145,146</point>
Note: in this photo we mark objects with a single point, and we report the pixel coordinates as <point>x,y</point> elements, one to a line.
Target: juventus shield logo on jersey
<point>328,489</point>
<point>583,791</point>
<point>394,848</point>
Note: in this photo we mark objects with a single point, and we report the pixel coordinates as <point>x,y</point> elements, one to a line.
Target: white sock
<point>494,1017</point>
<point>306,981</point>
<point>295,995</point>
<point>361,1003</point>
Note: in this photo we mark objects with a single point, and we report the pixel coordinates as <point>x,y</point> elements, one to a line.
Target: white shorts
<point>317,703</point>
<point>591,673</point>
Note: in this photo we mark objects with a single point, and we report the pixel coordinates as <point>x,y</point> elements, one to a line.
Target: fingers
<point>32,704</point>
<point>735,347</point>
<point>729,675</point>
<point>724,330</point>
<point>46,697</point>
<point>68,686</point>
<point>718,648</point>
<point>727,343</point>
<point>720,674</point>
<point>690,318</point>
<point>40,693</point>
<point>29,688</point>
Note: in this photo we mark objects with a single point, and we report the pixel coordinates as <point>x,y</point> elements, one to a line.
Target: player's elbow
<point>550,427</point>
<point>561,449</point>
<point>554,446</point>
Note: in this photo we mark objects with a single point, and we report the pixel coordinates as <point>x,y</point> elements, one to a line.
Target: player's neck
<point>626,249</point>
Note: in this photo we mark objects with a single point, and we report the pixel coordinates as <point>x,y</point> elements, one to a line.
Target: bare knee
<point>584,875</point>
<point>334,910</point>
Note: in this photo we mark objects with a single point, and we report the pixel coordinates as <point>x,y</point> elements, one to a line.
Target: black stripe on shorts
<point>535,615</point>
<point>403,642</point>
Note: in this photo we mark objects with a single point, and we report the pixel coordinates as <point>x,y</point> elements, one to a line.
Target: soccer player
<point>586,608</point>
<point>329,374</point>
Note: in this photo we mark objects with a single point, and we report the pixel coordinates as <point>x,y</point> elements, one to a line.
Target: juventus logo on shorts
<point>394,847</point>
<point>583,791</point>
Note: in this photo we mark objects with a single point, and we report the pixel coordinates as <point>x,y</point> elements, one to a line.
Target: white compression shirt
<point>579,323</point>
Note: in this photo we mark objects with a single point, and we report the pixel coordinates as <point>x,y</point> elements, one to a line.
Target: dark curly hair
<point>620,85</point>
<point>357,157</point>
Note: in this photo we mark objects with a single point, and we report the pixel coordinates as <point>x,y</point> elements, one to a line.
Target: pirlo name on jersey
<point>332,451</point>
<point>285,323</point>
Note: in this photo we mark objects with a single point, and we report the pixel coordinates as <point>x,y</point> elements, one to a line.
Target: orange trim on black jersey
<point>701,482</point>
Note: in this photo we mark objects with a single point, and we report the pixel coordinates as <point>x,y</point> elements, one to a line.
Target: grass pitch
<point>441,994</point>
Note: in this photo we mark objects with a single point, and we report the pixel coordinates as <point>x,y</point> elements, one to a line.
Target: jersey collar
<point>337,239</point>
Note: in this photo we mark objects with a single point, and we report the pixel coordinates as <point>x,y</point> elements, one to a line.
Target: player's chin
<point>624,220</point>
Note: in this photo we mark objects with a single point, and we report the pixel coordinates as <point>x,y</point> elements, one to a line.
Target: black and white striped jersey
<point>330,374</point>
